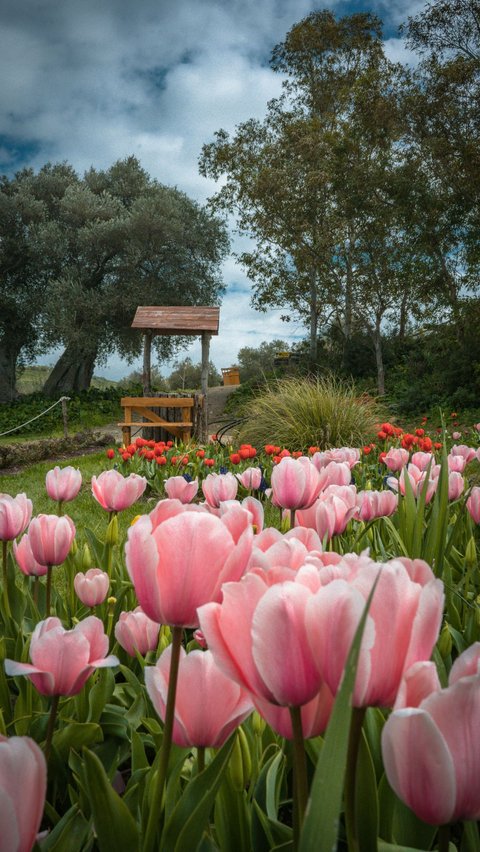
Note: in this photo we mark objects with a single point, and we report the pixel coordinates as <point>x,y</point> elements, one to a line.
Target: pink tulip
<point>456,436</point>
<point>15,514</point>
<point>468,453</point>
<point>201,719</point>
<point>315,715</point>
<point>422,460</point>
<point>417,479</point>
<point>63,484</point>
<point>473,504</point>
<point>63,660</point>
<point>456,463</point>
<point>115,492</point>
<point>250,478</point>
<point>135,631</point>
<point>26,560</point>
<point>396,458</point>
<point>255,507</point>
<point>332,472</point>
<point>456,484</point>
<point>402,625</point>
<point>348,455</point>
<point>177,488</point>
<point>332,516</point>
<point>51,538</point>
<point>258,637</point>
<point>218,487</point>
<point>182,563</point>
<point>431,750</point>
<point>295,483</point>
<point>23,787</point>
<point>91,588</point>
<point>375,504</point>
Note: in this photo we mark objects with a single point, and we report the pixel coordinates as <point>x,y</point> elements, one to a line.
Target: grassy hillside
<point>31,379</point>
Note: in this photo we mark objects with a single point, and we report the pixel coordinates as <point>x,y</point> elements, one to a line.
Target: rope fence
<point>63,401</point>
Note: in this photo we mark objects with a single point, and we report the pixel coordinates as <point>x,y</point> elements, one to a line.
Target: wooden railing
<point>143,406</point>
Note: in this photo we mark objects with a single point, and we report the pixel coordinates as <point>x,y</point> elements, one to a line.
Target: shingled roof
<point>177,320</point>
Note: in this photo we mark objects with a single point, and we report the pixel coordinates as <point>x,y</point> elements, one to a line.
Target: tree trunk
<point>347,327</point>
<point>377,345</point>
<point>73,371</point>
<point>403,315</point>
<point>313,316</point>
<point>8,365</point>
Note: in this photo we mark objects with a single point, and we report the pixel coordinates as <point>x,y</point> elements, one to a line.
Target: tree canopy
<point>87,251</point>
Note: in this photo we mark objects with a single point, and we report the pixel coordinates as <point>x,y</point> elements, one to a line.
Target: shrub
<point>298,413</point>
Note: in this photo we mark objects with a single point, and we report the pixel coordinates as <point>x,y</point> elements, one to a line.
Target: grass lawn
<point>84,510</point>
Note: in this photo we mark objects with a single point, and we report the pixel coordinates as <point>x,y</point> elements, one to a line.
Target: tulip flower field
<point>281,651</point>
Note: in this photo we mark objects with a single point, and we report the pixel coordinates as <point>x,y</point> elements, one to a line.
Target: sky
<point>94,81</point>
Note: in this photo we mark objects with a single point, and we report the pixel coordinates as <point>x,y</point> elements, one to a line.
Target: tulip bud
<point>111,537</point>
<point>471,552</point>
<point>246,757</point>
<point>258,724</point>
<point>235,765</point>
<point>86,558</point>
<point>445,642</point>
<point>165,639</point>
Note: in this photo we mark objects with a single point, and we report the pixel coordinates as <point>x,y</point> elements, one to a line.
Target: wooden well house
<point>180,416</point>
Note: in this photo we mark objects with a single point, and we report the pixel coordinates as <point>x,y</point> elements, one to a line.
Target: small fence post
<point>64,401</point>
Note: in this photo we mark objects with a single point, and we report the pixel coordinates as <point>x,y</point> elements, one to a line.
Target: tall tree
<point>29,258</point>
<point>278,173</point>
<point>126,239</point>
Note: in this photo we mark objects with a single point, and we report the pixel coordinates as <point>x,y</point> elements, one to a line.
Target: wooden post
<point>205,360</point>
<point>147,367</point>
<point>64,415</point>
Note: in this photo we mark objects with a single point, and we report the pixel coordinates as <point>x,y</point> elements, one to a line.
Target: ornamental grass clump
<point>319,411</point>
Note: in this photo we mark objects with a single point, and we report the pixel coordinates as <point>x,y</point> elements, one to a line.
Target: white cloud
<point>91,82</point>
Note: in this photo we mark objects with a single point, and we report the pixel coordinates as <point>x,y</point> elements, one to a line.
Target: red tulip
<point>51,538</point>
<point>181,563</point>
<point>23,787</point>
<point>135,631</point>
<point>201,719</point>
<point>63,660</point>
<point>115,492</point>
<point>15,514</point>
<point>63,484</point>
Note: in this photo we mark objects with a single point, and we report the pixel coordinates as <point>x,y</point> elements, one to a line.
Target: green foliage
<point>91,408</point>
<point>298,413</point>
<point>186,375</point>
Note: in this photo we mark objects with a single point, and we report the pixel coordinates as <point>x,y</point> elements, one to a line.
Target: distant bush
<point>298,413</point>
<point>89,409</point>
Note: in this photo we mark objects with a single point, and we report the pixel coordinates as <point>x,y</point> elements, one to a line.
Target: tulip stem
<point>161,774</point>
<point>49,590</point>
<point>300,782</point>
<point>200,759</point>
<point>6,602</point>
<point>443,838</point>
<point>51,726</point>
<point>292,519</point>
<point>36,583</point>
<point>358,715</point>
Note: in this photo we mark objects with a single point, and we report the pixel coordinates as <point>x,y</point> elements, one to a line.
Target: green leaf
<point>185,827</point>
<point>320,828</point>
<point>114,824</point>
<point>100,694</point>
<point>76,735</point>
<point>471,838</point>
<point>70,832</point>
<point>266,800</point>
<point>366,799</point>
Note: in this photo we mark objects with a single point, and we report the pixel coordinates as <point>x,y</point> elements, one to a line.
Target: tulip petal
<point>426,782</point>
